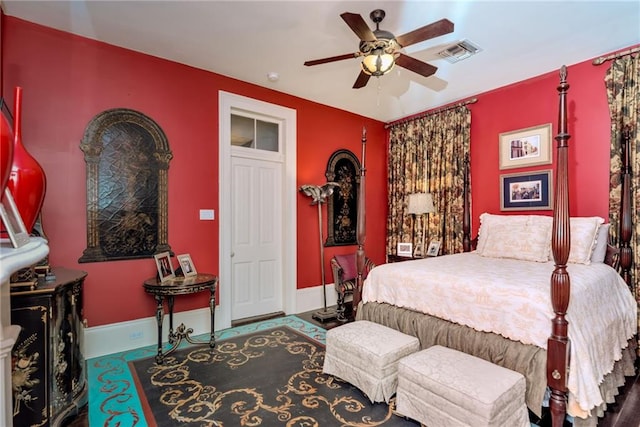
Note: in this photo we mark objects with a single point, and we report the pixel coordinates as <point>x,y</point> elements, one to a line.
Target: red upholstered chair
<point>344,278</point>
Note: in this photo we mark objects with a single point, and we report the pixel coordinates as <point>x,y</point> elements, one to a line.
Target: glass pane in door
<point>242,131</point>
<point>266,136</point>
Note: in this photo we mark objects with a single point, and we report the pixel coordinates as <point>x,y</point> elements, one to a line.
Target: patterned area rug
<point>266,378</point>
<point>114,399</point>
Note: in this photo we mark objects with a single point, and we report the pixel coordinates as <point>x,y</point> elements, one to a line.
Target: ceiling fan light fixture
<point>380,50</point>
<point>377,63</point>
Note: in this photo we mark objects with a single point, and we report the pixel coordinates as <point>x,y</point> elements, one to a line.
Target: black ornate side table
<point>180,286</point>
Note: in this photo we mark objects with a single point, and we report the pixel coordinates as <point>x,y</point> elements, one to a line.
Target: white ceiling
<point>248,39</point>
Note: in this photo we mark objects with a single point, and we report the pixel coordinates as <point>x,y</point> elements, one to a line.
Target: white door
<point>256,236</point>
<point>256,214</point>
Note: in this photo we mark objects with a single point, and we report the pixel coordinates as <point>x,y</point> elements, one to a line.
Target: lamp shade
<point>420,203</point>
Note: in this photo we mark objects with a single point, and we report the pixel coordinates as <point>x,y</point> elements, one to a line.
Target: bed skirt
<point>529,360</point>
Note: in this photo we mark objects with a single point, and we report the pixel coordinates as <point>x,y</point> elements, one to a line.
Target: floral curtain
<point>623,91</point>
<point>427,155</point>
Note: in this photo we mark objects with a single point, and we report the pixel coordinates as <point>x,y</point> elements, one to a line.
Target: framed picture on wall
<point>525,147</point>
<point>526,191</point>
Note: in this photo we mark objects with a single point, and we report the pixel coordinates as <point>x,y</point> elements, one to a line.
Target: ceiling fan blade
<point>438,28</point>
<point>362,80</point>
<point>358,26</point>
<point>331,59</point>
<point>415,65</point>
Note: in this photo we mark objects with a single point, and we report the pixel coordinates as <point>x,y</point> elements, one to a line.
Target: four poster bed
<point>527,272</point>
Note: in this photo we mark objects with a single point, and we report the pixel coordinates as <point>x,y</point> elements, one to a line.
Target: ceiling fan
<point>381,49</point>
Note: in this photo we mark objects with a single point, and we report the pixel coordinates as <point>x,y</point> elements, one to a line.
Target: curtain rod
<point>429,113</point>
<point>603,59</point>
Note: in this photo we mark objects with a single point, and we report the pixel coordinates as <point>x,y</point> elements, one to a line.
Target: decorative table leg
<point>212,308</point>
<point>159,316</point>
<point>170,303</point>
<point>182,332</point>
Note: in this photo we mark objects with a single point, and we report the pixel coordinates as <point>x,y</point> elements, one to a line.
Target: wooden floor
<point>624,413</point>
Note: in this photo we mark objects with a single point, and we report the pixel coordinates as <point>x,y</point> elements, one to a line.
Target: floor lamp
<point>420,204</point>
<point>319,196</point>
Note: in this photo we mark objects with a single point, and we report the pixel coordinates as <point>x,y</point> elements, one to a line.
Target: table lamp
<point>419,204</point>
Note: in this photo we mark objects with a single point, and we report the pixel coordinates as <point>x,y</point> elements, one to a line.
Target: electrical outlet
<point>207,214</point>
<point>136,335</point>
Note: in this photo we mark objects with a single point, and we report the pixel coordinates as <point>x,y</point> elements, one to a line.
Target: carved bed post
<point>558,345</point>
<point>361,229</point>
<point>626,253</point>
<point>466,210</point>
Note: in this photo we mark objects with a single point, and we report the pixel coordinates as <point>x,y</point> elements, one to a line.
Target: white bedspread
<point>512,298</point>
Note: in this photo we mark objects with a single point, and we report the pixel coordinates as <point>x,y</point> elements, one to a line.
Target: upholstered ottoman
<point>366,355</point>
<point>444,387</point>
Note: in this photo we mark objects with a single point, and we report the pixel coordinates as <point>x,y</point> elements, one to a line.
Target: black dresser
<point>48,367</point>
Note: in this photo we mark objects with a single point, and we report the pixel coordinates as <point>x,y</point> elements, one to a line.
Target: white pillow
<point>584,231</point>
<point>488,221</point>
<point>602,239</point>
<point>524,237</point>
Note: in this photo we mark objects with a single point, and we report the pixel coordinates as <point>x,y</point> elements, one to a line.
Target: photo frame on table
<point>405,249</point>
<point>525,147</point>
<point>187,265</point>
<point>165,269</point>
<point>434,248</point>
<point>526,191</point>
<point>12,221</point>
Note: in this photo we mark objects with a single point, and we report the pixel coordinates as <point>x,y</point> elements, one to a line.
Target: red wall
<point>67,80</point>
<point>534,102</point>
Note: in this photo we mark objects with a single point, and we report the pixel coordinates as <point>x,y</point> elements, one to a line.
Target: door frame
<point>227,102</point>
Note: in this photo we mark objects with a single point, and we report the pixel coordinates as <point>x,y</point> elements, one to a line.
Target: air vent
<point>459,51</point>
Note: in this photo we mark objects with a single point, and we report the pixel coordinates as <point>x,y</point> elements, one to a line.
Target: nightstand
<point>397,258</point>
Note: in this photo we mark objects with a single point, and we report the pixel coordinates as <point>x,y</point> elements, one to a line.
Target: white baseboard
<point>124,336</point>
<point>309,299</point>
